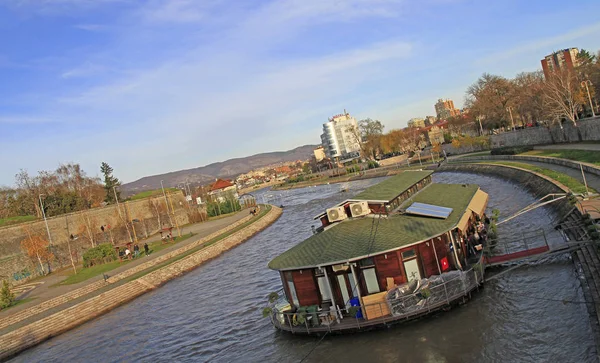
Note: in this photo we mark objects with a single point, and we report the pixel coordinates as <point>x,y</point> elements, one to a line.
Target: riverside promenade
<point>26,327</point>
<point>49,286</point>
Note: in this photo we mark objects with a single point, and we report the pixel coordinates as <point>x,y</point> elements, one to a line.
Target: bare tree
<point>87,227</point>
<point>489,97</point>
<point>36,247</point>
<point>157,208</point>
<point>563,95</point>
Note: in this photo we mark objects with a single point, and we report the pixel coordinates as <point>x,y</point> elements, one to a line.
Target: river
<point>214,312</point>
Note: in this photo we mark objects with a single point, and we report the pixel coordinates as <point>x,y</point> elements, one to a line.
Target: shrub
<point>7,298</point>
<point>100,254</point>
<point>372,164</point>
<point>511,150</point>
<point>214,209</point>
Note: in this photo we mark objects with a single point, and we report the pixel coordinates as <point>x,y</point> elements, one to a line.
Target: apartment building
<point>562,59</point>
<point>339,137</point>
<point>445,109</point>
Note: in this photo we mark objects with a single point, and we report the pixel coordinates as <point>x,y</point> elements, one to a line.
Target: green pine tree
<point>109,183</point>
<point>7,298</point>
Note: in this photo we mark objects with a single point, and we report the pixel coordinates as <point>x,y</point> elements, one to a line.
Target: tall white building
<point>338,138</point>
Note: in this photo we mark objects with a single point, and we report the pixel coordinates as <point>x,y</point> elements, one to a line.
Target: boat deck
<point>455,289</point>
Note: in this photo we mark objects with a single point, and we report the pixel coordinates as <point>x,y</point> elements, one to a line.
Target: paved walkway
<point>47,291</point>
<point>593,181</point>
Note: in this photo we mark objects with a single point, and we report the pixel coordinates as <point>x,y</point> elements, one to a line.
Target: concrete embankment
<point>369,174</point>
<point>587,167</point>
<point>586,258</point>
<point>36,332</point>
<point>538,184</point>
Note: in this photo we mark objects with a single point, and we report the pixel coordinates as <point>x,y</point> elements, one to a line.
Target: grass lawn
<point>15,220</point>
<point>564,179</point>
<point>20,301</point>
<point>586,156</point>
<point>151,193</point>
<point>89,272</point>
<point>264,210</point>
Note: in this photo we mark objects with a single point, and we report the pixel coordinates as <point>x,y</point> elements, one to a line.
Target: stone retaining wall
<point>18,268</point>
<point>82,291</point>
<point>20,339</point>
<point>587,167</point>
<point>586,130</point>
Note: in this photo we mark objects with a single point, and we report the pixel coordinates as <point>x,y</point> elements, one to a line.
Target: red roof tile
<point>220,184</point>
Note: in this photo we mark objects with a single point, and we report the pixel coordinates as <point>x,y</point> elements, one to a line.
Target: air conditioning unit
<point>336,214</point>
<point>359,209</point>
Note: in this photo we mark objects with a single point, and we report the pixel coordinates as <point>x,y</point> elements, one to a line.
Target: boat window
<point>323,288</point>
<point>292,288</point>
<point>371,280</point>
<point>409,254</point>
<point>367,262</point>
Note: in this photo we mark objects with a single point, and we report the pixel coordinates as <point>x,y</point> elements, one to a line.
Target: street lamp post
<point>586,82</point>
<point>512,121</point>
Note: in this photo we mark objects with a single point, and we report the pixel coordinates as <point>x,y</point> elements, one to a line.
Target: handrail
<point>536,238</point>
<point>403,307</point>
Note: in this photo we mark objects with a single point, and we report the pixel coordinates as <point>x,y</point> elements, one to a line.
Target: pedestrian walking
<point>146,249</point>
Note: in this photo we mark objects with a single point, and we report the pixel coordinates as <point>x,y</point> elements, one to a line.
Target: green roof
<point>394,186</point>
<point>349,239</point>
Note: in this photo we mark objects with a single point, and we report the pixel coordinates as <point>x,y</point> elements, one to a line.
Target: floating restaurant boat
<point>395,252</point>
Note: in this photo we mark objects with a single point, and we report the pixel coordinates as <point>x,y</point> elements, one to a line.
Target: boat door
<point>411,267</point>
<point>344,289</point>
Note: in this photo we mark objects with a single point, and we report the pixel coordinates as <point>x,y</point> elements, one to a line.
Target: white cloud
<point>544,45</point>
<point>23,120</point>
<point>176,11</point>
<point>84,70</point>
<point>230,87</point>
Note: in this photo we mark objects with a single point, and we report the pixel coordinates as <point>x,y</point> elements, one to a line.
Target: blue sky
<point>157,86</point>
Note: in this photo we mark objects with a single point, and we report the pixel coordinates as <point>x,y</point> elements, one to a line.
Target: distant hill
<point>224,169</point>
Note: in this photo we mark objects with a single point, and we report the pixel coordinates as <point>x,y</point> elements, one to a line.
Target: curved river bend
<point>214,312</point>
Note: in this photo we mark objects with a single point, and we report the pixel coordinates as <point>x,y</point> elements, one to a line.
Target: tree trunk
<point>71,255</point>
<point>41,264</point>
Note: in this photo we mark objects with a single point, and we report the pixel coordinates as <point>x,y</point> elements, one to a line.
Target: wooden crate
<point>377,310</point>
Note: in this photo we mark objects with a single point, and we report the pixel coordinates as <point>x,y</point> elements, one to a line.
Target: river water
<point>531,314</point>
